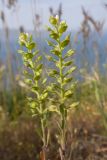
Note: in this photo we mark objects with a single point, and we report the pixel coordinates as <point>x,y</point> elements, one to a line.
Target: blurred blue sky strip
<point>71,12</point>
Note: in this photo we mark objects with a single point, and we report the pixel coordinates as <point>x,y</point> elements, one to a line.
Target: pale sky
<point>71,12</point>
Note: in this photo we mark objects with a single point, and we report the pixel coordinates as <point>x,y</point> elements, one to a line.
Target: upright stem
<point>43,129</point>
<point>63,119</point>
<point>43,152</point>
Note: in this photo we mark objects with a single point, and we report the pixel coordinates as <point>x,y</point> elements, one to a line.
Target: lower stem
<point>43,152</point>
<point>62,147</point>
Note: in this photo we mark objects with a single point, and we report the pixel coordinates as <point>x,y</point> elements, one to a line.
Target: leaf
<point>30,99</point>
<point>21,52</point>
<point>65,42</point>
<point>28,55</point>
<point>73,105</point>
<point>67,80</point>
<point>50,44</point>
<point>67,63</point>
<point>54,72</point>
<point>35,88</point>
<point>72,69</point>
<point>69,53</point>
<point>39,58</point>
<point>28,74</point>
<point>33,105</point>
<point>50,58</point>
<point>31,46</point>
<point>37,75</point>
<point>23,39</point>
<point>30,38</point>
<point>68,93</point>
<point>23,36</point>
<point>28,81</point>
<point>53,20</point>
<point>56,86</point>
<point>49,28</point>
<point>44,96</point>
<point>56,50</point>
<point>54,35</point>
<point>73,86</point>
<point>35,52</point>
<point>23,44</point>
<point>62,27</point>
<point>44,80</point>
<point>53,108</point>
<point>58,64</point>
<point>30,64</point>
<point>39,67</point>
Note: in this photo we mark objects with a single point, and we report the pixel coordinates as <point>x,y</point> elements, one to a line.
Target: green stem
<point>43,129</point>
<point>43,135</point>
<point>42,125</point>
<point>63,118</point>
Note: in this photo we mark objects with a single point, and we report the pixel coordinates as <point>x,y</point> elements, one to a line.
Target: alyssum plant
<point>63,85</point>
<point>38,92</point>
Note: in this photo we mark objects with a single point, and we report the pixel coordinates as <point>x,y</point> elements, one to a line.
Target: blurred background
<point>87,23</point>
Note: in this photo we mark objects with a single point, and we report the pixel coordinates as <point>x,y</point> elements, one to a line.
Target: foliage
<point>37,89</point>
<point>63,85</point>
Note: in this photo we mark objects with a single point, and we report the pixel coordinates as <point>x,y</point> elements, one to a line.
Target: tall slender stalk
<point>63,77</point>
<point>36,83</point>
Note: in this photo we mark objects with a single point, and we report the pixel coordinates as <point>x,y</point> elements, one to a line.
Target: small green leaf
<point>21,52</point>
<point>37,76</point>
<point>33,105</point>
<point>67,80</point>
<point>73,105</point>
<point>35,88</point>
<point>30,65</point>
<point>44,96</point>
<point>53,108</point>
<point>49,29</point>
<point>44,81</point>
<point>28,81</point>
<point>67,63</point>
<point>28,55</point>
<point>50,44</point>
<point>31,46</point>
<point>35,52</point>
<point>53,20</point>
<point>23,37</point>
<point>54,35</point>
<point>39,67</point>
<point>56,86</point>
<point>39,58</point>
<point>54,72</point>
<point>72,69</point>
<point>69,53</point>
<point>62,27</point>
<point>50,58</point>
<point>65,42</point>
<point>68,93</point>
<point>56,52</point>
